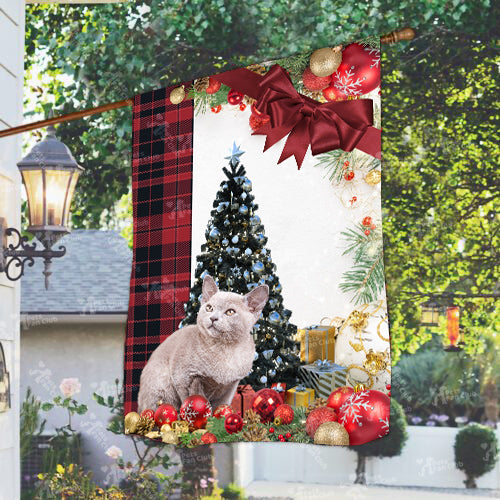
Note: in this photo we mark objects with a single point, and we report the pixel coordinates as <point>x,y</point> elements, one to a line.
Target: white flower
<point>114,452</point>
<point>70,387</point>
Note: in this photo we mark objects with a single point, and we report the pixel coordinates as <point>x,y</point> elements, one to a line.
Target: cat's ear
<point>209,288</point>
<point>257,299</point>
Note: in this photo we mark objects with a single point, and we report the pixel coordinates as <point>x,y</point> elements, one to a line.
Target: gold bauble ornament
<point>325,61</point>
<point>170,437</point>
<point>177,95</point>
<point>332,434</point>
<point>373,177</point>
<point>131,420</point>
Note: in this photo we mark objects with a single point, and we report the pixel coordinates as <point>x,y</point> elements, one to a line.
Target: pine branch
<point>203,101</point>
<point>370,41</point>
<point>334,162</point>
<point>295,65</point>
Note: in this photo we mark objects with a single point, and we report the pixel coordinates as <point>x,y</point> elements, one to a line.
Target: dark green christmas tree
<point>235,255</point>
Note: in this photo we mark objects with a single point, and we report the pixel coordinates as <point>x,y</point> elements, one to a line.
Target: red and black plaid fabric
<point>162,171</point>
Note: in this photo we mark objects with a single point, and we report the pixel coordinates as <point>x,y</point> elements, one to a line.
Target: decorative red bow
<point>324,126</point>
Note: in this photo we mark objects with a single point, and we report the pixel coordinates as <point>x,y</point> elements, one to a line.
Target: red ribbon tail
<point>297,143</point>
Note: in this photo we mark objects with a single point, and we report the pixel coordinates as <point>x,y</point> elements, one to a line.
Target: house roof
<point>92,278</point>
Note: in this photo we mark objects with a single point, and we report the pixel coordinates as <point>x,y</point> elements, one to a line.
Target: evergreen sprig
<point>333,162</point>
<point>295,65</point>
<point>370,41</point>
<point>366,278</point>
<point>203,101</point>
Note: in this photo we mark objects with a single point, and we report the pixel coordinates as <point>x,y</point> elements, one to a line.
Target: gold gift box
<point>317,342</point>
<point>299,396</point>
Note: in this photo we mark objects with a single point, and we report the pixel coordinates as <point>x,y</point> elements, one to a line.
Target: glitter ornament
<point>332,434</point>
<point>314,83</point>
<point>131,420</point>
<point>285,413</point>
<point>177,95</point>
<point>213,86</point>
<point>148,414</point>
<point>373,177</point>
<point>265,402</point>
<point>233,423</point>
<point>195,410</point>
<point>317,417</point>
<point>165,414</point>
<point>208,438</point>
<point>325,61</point>
<point>222,411</point>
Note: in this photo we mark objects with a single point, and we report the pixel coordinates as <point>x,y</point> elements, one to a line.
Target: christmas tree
<point>235,255</point>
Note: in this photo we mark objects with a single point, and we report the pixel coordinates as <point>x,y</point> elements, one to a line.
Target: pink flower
<point>203,483</point>
<point>114,452</point>
<point>70,386</point>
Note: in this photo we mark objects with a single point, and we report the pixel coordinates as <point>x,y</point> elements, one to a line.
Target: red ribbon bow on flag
<point>324,126</point>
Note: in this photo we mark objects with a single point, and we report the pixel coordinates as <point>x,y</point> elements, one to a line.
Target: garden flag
<point>257,296</point>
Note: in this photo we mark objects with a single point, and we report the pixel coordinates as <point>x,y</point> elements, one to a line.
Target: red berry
<point>349,176</point>
<point>389,393</point>
<point>281,436</point>
<point>288,435</point>
<point>216,109</point>
<point>373,226</point>
<point>354,198</point>
<point>367,232</point>
<point>367,221</point>
<point>346,163</point>
<point>213,86</point>
<point>271,429</point>
<point>243,107</point>
<point>388,387</point>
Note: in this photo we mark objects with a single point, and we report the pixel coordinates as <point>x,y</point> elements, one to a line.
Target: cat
<point>209,358</point>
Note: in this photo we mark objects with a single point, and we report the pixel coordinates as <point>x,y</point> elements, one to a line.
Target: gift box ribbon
<point>323,126</point>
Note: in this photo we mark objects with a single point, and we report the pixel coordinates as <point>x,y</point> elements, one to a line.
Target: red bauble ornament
<point>165,414</point>
<point>349,176</point>
<point>234,97</point>
<point>265,402</point>
<point>288,435</point>
<point>243,107</point>
<point>388,387</point>
<point>216,109</point>
<point>257,121</point>
<point>195,411</point>
<point>213,86</point>
<point>233,423</point>
<point>285,413</point>
<point>332,93</point>
<point>365,416</point>
<point>367,232</point>
<point>338,397</point>
<point>222,411</point>
<point>367,221</point>
<point>208,438</point>
<point>148,413</point>
<point>317,417</point>
<point>359,71</point>
<point>271,429</point>
<point>313,82</point>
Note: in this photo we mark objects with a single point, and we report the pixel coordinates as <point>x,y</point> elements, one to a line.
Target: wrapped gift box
<point>299,396</point>
<point>323,376</point>
<point>279,387</point>
<point>317,342</point>
<point>242,399</point>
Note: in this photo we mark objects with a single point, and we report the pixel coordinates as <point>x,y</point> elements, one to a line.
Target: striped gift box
<point>323,376</point>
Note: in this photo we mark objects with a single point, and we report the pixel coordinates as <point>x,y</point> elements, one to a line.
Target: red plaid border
<point>162,171</point>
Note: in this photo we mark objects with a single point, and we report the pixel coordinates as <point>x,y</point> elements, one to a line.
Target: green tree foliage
<point>476,452</point>
<point>440,183</point>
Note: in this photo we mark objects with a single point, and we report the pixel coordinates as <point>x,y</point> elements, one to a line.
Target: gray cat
<point>209,358</point>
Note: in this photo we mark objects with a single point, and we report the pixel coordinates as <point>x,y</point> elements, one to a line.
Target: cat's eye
<point>209,308</point>
<point>230,312</point>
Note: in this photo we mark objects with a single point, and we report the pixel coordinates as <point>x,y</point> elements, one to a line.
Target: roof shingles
<point>92,278</point>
